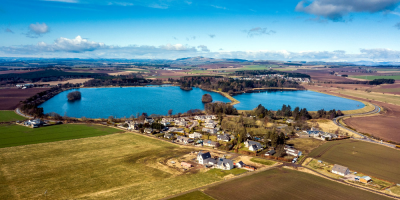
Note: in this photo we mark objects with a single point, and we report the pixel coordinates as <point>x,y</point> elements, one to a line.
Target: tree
<point>170,112</point>
<point>72,96</point>
<point>207,98</point>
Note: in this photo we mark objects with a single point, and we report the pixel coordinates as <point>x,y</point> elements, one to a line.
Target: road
<point>22,114</point>
<point>364,138</point>
<point>195,123</point>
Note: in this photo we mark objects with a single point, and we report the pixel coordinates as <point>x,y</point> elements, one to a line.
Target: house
<point>34,123</point>
<point>289,121</point>
<point>184,140</point>
<point>253,146</point>
<point>210,130</point>
<point>203,156</point>
<point>209,123</point>
<point>148,130</point>
<point>224,138</point>
<point>240,164</point>
<point>340,170</point>
<point>149,120</point>
<point>210,143</point>
<point>169,136</point>
<point>293,152</point>
<point>270,153</point>
<point>177,130</point>
<point>180,123</point>
<point>201,118</point>
<point>224,164</point>
<point>186,165</point>
<point>365,179</point>
<point>195,135</point>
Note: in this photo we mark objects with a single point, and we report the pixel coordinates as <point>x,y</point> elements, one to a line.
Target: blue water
<point>313,101</point>
<point>124,102</point>
<point>127,101</point>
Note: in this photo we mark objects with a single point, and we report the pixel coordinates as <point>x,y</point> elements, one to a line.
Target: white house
<point>340,170</point>
<point>239,164</point>
<point>224,164</point>
<point>252,145</point>
<point>201,157</point>
<point>195,135</point>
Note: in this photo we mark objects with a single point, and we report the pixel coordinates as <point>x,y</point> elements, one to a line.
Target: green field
<point>370,78</point>
<point>262,161</point>
<point>16,135</point>
<point>222,173</point>
<point>116,166</point>
<point>9,116</point>
<point>196,195</point>
<point>286,184</point>
<point>364,157</point>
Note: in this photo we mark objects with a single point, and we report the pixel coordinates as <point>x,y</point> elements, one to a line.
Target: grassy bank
<point>9,116</point>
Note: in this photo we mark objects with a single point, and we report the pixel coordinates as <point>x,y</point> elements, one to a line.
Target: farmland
<point>16,135</point>
<point>10,98</point>
<point>306,145</point>
<point>370,78</point>
<point>286,184</point>
<point>368,158</point>
<point>116,166</point>
<point>196,195</point>
<point>9,115</point>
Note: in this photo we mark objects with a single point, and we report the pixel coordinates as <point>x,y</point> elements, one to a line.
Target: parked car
<point>294,160</point>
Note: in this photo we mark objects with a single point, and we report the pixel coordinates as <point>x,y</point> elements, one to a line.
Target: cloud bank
<point>37,30</point>
<point>336,9</point>
<point>257,31</point>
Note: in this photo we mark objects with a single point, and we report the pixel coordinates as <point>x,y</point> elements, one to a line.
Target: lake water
<point>127,101</point>
<point>124,102</point>
<point>313,101</point>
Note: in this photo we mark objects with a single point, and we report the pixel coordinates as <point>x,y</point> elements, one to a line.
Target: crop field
<point>386,98</point>
<point>370,78</point>
<point>306,145</point>
<point>286,184</point>
<point>10,97</point>
<point>16,135</point>
<point>9,115</point>
<point>364,157</point>
<point>116,166</point>
<point>196,195</point>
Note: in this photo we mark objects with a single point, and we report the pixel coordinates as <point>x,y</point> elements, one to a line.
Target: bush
<point>206,98</point>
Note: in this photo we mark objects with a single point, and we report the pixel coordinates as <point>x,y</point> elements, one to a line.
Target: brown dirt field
<point>218,66</point>
<point>74,81</point>
<point>384,126</point>
<point>11,97</point>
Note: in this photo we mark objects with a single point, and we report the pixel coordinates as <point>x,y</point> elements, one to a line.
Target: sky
<point>301,30</point>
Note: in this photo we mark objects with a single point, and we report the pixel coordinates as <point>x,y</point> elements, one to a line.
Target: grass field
<point>370,78</point>
<point>286,184</point>
<point>387,98</point>
<point>367,158</point>
<point>9,115</point>
<point>306,145</point>
<point>262,161</point>
<point>222,173</point>
<point>16,135</point>
<point>196,195</point>
<point>116,166</point>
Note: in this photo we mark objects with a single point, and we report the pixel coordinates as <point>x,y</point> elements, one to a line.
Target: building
<point>148,130</point>
<point>239,164</point>
<point>293,152</point>
<point>195,135</point>
<point>149,120</point>
<point>270,153</point>
<point>365,179</point>
<point>253,146</point>
<point>169,136</point>
<point>176,130</point>
<point>224,138</point>
<point>203,156</point>
<point>34,123</point>
<point>211,143</point>
<point>184,140</point>
<point>224,164</point>
<point>209,123</point>
<point>210,130</point>
<point>340,170</point>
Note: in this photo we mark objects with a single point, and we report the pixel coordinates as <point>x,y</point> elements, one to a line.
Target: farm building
<point>340,170</point>
<point>365,179</point>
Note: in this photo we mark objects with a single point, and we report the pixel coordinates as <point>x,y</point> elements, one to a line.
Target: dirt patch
<point>10,98</point>
<point>73,81</point>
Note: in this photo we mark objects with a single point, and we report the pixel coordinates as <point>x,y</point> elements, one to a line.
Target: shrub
<point>72,96</point>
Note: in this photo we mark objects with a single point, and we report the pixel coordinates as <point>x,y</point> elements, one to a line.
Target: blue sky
<point>327,30</point>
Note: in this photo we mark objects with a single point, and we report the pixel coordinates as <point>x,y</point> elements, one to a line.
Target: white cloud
<point>65,1</point>
<point>257,31</point>
<point>177,47</point>
<point>203,48</point>
<point>337,9</point>
<point>37,30</point>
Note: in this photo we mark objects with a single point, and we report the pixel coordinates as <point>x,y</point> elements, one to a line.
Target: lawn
<point>9,115</point>
<point>370,78</point>
<point>116,166</point>
<point>262,161</point>
<point>286,184</point>
<point>367,158</point>
<point>196,195</point>
<point>16,135</point>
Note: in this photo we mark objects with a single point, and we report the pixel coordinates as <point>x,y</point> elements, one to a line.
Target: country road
<point>365,138</point>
